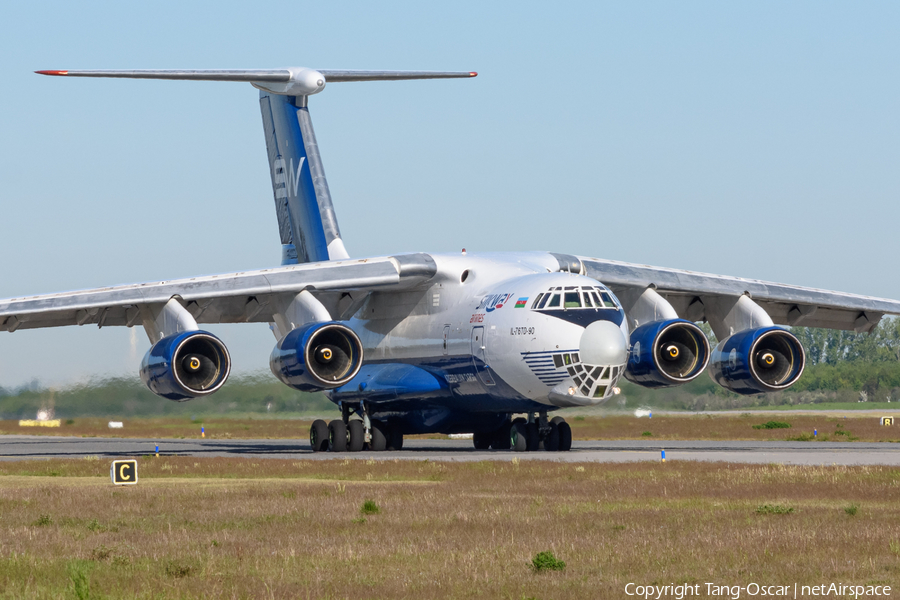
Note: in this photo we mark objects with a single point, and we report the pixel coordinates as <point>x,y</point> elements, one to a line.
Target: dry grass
<point>613,427</point>
<point>734,427</point>
<point>235,528</point>
<point>171,427</point>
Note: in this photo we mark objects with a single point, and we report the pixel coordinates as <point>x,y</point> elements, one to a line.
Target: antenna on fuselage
<point>307,222</point>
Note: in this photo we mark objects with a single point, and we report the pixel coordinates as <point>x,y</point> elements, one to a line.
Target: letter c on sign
<point>123,472</point>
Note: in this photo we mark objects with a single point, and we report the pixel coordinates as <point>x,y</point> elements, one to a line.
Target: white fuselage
<point>478,325</point>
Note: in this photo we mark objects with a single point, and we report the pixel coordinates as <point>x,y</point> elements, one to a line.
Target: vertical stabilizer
<point>306,220</point>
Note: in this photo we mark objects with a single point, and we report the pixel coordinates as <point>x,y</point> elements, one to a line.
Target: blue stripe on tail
<point>300,210</point>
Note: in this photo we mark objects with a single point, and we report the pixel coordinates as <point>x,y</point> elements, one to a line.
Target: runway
<point>23,447</point>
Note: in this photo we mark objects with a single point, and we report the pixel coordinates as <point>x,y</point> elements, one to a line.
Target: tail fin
<point>306,220</point>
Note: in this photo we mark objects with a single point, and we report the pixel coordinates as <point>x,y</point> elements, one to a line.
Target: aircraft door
<point>479,356</point>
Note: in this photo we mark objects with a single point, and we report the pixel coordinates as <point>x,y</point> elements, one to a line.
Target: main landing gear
<point>353,435</point>
<point>528,435</point>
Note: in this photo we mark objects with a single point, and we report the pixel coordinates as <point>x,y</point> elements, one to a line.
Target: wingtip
<point>473,74</point>
<point>52,72</point>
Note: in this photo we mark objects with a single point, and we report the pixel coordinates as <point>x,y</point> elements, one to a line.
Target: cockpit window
<point>588,303</point>
<point>575,297</point>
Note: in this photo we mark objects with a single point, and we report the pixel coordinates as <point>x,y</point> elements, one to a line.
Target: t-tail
<point>307,222</point>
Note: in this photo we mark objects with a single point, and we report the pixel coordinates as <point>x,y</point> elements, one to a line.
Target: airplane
<point>442,343</point>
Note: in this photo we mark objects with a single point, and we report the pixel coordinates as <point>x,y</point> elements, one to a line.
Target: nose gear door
<point>479,356</point>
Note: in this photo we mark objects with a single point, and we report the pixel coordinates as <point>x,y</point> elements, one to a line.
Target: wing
<point>251,296</point>
<point>690,293</point>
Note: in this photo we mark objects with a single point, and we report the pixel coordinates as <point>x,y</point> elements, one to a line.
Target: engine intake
<point>755,361</point>
<point>317,356</point>
<point>667,353</point>
<point>186,365</point>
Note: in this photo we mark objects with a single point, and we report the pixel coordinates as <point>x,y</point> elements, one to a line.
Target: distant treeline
<point>841,367</point>
<point>127,397</point>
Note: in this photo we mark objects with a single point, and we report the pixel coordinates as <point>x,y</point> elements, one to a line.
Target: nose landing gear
<point>528,435</point>
<point>563,432</point>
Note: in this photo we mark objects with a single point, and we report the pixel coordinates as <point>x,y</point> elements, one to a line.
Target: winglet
<point>52,72</point>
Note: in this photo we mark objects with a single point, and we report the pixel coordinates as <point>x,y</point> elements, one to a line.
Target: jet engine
<point>317,356</point>
<point>754,361</point>
<point>186,365</point>
<point>666,353</point>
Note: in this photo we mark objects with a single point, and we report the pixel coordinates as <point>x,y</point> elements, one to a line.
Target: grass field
<point>235,528</point>
<point>836,406</point>
<point>830,427</point>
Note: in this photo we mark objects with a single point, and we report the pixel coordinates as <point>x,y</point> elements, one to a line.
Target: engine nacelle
<point>666,353</point>
<point>186,365</point>
<point>317,356</point>
<point>754,361</point>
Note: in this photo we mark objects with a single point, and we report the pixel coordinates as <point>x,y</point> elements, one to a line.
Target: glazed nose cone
<point>603,343</point>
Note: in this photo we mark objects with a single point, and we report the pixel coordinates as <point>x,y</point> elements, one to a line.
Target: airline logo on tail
<point>283,178</point>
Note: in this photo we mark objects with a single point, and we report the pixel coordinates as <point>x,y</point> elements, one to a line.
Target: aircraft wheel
<point>318,436</point>
<point>357,435</point>
<point>565,437</point>
<point>379,432</point>
<point>500,439</point>
<point>551,442</point>
<point>534,436</point>
<point>482,441</point>
<point>337,436</point>
<point>396,440</point>
<point>518,437</point>
<point>557,420</point>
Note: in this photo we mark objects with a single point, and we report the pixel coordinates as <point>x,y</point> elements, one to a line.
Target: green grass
<point>824,406</point>
<point>369,507</point>
<point>773,425</point>
<point>79,575</point>
<point>547,561</point>
<point>774,509</point>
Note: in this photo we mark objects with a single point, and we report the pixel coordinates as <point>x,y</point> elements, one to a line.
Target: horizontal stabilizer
<point>333,75</point>
<point>294,81</point>
<point>248,75</point>
<point>307,224</point>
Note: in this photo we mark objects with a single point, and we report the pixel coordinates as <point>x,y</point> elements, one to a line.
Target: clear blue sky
<point>753,139</point>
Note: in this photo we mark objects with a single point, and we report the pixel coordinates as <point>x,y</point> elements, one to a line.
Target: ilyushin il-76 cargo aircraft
<point>442,343</point>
